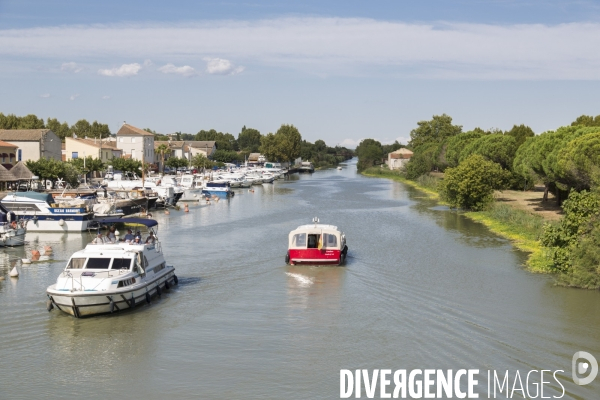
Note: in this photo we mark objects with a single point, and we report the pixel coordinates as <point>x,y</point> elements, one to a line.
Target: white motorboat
<point>167,194</point>
<point>45,215</point>
<point>192,188</point>
<point>110,277</point>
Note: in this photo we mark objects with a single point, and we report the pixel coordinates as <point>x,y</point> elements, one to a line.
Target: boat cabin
<point>316,244</point>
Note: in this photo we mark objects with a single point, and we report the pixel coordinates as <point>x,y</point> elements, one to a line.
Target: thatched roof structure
<point>21,172</point>
<point>5,175</point>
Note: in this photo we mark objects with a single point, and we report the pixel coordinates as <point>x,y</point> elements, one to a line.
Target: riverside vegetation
<point>477,163</point>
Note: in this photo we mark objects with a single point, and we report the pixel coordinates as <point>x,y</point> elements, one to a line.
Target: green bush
<point>471,185</point>
<point>581,209</point>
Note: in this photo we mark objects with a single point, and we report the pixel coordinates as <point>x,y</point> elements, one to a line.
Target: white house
<point>33,144</point>
<point>136,143</point>
<point>399,158</point>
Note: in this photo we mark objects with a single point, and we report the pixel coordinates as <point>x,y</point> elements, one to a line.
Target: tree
<point>369,152</point>
<point>126,165</point>
<point>10,121</point>
<point>587,120</point>
<point>224,141</point>
<point>31,121</point>
<point>61,130</point>
<point>520,133</point>
<point>162,149</point>
<point>176,162</point>
<point>497,148</point>
<point>249,140</point>
<point>423,160</point>
<point>436,130</point>
<point>456,144</point>
<point>388,148</point>
<point>580,161</point>
<point>81,128</point>
<point>226,156</point>
<point>51,169</point>
<point>284,145</point>
<point>91,164</point>
<point>471,185</point>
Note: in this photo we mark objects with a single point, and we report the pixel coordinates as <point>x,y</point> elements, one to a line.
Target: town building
<point>103,149</point>
<point>8,154</point>
<point>33,144</point>
<point>136,143</point>
<point>399,158</point>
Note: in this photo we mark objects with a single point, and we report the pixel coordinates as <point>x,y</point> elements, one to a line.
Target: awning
<point>142,221</point>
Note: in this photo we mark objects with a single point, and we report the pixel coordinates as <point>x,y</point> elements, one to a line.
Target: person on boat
<point>129,237</point>
<point>151,239</point>
<point>13,224</point>
<point>137,240</point>
<point>99,239</point>
<point>110,235</point>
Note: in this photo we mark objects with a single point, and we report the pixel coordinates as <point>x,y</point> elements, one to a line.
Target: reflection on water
<point>423,287</point>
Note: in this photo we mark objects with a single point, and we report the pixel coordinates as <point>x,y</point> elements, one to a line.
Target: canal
<point>424,287</point>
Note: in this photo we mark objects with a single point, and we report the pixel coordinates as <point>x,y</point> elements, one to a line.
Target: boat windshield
<point>121,263</point>
<point>97,263</point>
<point>76,263</point>
<point>330,240</point>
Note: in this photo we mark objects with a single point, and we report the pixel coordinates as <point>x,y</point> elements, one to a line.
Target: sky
<point>340,71</point>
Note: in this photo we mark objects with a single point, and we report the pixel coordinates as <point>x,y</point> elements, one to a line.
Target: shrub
<point>471,185</point>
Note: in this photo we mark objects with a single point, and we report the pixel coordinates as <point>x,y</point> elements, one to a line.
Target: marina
<point>422,285</point>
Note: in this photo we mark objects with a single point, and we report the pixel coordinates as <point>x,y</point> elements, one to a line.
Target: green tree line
<point>80,128</point>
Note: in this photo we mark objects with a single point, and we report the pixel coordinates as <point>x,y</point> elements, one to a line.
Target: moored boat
<point>12,231</point>
<point>316,244</point>
<point>45,215</point>
<point>110,277</point>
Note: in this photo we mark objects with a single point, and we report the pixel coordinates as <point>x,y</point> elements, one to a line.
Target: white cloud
<point>350,143</point>
<point>73,97</point>
<point>147,63</point>
<point>71,67</point>
<point>186,70</point>
<point>45,95</point>
<point>122,71</point>
<point>220,66</point>
<point>105,97</point>
<point>331,46</point>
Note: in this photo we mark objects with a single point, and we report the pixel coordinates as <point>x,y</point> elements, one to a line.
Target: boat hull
<point>89,303</point>
<point>316,256</point>
<point>191,195</point>
<point>52,223</point>
<point>12,237</point>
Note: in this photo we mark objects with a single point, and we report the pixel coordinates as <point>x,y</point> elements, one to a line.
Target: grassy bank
<point>522,227</point>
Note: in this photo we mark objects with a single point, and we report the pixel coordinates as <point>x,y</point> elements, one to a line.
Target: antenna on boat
<point>316,220</point>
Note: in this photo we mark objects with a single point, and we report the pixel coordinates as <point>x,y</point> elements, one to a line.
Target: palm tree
<point>162,149</point>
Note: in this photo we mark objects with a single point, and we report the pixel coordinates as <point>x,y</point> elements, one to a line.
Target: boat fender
<point>147,297</point>
<point>49,305</point>
<point>132,302</point>
<point>158,293</point>
<point>175,280</point>
<point>287,258</point>
<point>111,306</point>
<point>345,250</point>
<point>167,284</point>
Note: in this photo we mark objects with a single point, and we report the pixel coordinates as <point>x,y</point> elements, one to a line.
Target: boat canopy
<point>142,221</point>
<point>319,236</point>
<point>36,196</point>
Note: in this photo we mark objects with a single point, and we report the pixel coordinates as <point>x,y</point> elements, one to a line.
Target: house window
<point>121,140</point>
<point>132,140</point>
<point>75,155</point>
<point>19,155</point>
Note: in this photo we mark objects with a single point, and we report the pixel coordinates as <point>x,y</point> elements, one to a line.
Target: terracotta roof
<point>95,143</point>
<point>6,144</point>
<point>253,156</point>
<point>5,175</point>
<point>128,130</point>
<point>22,135</point>
<point>20,171</point>
<point>401,154</point>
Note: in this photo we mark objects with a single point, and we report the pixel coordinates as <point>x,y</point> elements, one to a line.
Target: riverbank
<point>517,216</point>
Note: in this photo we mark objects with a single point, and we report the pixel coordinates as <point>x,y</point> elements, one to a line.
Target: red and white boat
<point>316,244</point>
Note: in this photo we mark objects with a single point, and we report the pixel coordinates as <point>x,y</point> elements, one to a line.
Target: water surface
<point>424,287</point>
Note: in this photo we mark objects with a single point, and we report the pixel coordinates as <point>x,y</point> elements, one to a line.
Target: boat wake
<point>302,280</point>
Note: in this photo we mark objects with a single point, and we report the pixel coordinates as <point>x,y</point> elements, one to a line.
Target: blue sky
<point>340,71</point>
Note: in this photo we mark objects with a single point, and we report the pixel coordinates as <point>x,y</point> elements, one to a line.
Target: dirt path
<point>531,201</point>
